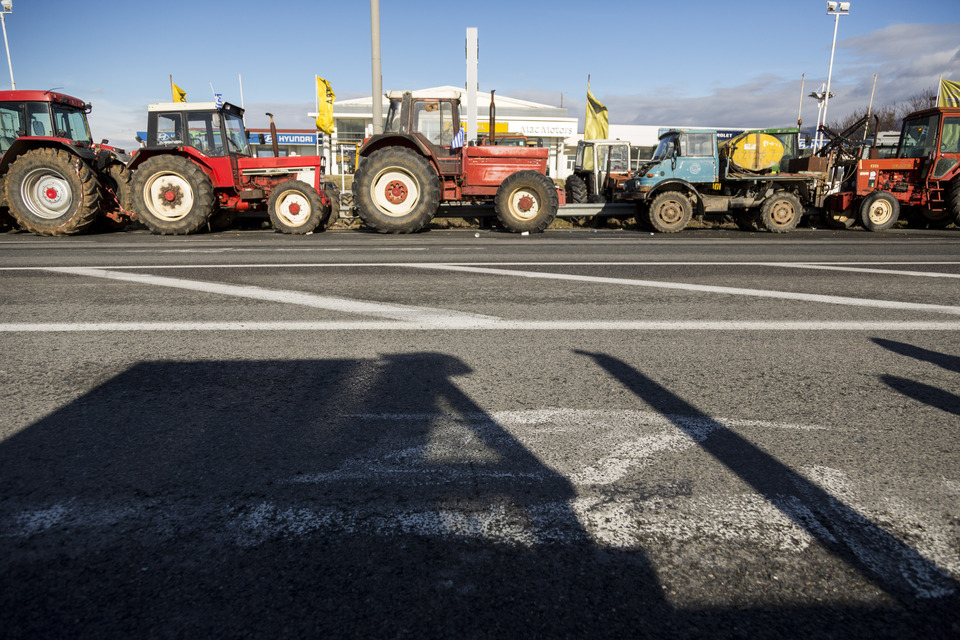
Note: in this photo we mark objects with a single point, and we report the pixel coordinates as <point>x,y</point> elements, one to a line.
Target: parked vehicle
<point>599,172</point>
<point>756,177</point>
<point>55,180</point>
<point>196,170</point>
<point>923,180</point>
<point>409,169</point>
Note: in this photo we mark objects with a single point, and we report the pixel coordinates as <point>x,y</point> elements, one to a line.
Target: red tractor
<point>923,178</point>
<point>55,180</point>
<point>407,171</point>
<point>195,171</point>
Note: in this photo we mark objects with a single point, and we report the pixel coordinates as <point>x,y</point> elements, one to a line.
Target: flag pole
<point>173,95</point>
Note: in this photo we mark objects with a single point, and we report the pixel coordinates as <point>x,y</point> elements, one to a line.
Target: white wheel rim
<point>525,203</point>
<point>168,196</point>
<point>395,192</point>
<point>293,209</point>
<point>46,193</point>
<point>879,212</point>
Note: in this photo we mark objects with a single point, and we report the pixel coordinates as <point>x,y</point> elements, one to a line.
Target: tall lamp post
<point>7,6</point>
<point>835,9</point>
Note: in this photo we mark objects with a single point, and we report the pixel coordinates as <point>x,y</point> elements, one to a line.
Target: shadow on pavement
<point>362,498</point>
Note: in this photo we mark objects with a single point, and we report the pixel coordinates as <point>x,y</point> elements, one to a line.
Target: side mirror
<point>262,139</point>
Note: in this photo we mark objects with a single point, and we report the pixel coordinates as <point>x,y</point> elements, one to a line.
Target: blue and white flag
<point>219,97</point>
<point>458,140</point>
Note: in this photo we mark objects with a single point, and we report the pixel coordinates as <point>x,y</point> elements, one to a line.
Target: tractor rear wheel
<point>526,201</point>
<point>953,200</point>
<point>670,212</point>
<point>576,190</point>
<point>295,207</point>
<point>879,211</point>
<point>781,212</point>
<point>172,195</point>
<point>396,190</point>
<point>52,192</point>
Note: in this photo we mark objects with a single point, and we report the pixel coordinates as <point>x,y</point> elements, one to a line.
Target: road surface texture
<point>464,433</point>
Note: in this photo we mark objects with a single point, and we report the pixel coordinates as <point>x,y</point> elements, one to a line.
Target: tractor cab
<point>213,130</point>
<point>42,114</point>
<point>436,120</point>
<point>601,168</point>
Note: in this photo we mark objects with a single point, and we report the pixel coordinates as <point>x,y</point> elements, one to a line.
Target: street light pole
<point>7,8</point>
<point>836,9</point>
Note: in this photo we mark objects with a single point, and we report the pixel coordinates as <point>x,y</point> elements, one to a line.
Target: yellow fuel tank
<point>755,151</point>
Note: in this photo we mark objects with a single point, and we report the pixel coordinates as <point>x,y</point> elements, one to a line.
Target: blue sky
<point>708,62</point>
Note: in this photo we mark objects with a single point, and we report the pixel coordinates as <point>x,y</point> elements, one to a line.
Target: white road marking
<point>659,284</point>
<point>478,324</point>
<point>885,272</point>
<point>469,502</point>
<point>420,315</point>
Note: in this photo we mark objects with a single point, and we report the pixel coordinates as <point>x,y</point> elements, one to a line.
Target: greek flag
<point>219,97</point>
<point>458,140</point>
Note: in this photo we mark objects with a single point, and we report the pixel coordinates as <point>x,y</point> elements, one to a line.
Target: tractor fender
<point>145,153</point>
<point>24,145</point>
<point>676,184</point>
<point>414,143</point>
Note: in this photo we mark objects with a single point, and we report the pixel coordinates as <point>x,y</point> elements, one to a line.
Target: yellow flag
<point>949,94</point>
<point>596,126</point>
<point>179,95</point>
<point>325,97</point>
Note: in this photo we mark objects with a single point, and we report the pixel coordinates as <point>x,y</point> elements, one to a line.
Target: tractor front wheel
<point>172,195</point>
<point>526,201</point>
<point>295,207</point>
<point>52,192</point>
<point>670,212</point>
<point>396,190</point>
<point>879,211</point>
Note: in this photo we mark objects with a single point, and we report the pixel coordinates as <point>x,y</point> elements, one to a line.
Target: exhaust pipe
<point>273,137</point>
<point>493,120</point>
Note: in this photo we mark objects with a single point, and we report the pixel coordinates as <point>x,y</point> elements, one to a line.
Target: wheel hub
<point>172,195</point>
<point>294,209</point>
<point>52,194</point>
<point>395,192</point>
<point>525,203</point>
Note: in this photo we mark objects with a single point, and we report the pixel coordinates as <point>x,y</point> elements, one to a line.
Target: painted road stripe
<point>471,324</point>
<point>421,315</point>
<point>702,288</point>
<point>885,272</point>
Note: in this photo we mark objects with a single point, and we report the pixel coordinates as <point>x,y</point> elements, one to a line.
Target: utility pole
<point>377,102</point>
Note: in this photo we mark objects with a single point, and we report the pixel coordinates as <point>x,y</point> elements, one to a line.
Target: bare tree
<point>890,116</point>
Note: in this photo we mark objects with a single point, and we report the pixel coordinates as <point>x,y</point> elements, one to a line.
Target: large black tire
<point>526,202</point>
<point>576,190</point>
<point>52,192</point>
<point>937,219</point>
<point>953,200</point>
<point>781,212</point>
<point>670,212</point>
<point>879,211</point>
<point>396,190</point>
<point>333,211</point>
<point>171,195</point>
<point>295,207</point>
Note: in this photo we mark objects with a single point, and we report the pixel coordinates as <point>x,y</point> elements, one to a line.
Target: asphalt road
<point>467,433</point>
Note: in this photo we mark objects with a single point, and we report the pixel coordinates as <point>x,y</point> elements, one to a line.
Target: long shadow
<point>925,393</point>
<point>946,361</point>
<point>881,558</point>
<point>357,498</point>
<point>361,498</point>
